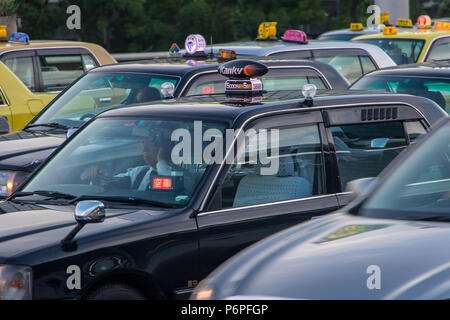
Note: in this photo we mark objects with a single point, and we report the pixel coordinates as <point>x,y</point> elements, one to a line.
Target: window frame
<point>267,121</point>
<point>25,53</point>
<point>431,46</point>
<point>4,98</point>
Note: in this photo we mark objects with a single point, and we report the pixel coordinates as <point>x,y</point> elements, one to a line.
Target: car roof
<point>217,108</point>
<point>179,67</point>
<point>409,34</point>
<point>6,46</point>
<point>347,31</point>
<point>427,69</point>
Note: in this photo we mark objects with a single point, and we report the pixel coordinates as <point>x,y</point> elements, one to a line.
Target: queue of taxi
<point>136,169</point>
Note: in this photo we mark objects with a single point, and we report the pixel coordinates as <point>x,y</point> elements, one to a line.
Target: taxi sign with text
<point>405,23</point>
<point>424,21</point>
<point>195,43</point>
<point>243,69</point>
<point>389,31</point>
<point>356,26</point>
<point>267,30</point>
<point>296,36</point>
<point>442,25</point>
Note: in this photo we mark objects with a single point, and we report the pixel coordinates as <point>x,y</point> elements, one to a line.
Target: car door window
<point>295,169</point>
<point>363,150</point>
<point>439,50</point>
<point>347,65</point>
<point>367,64</point>
<point>22,67</point>
<point>58,71</point>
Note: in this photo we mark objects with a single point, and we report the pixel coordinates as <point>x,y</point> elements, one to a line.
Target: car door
<point>250,201</point>
<point>5,111</point>
<point>366,139</point>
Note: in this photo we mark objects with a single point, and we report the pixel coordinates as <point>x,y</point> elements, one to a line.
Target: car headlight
<point>10,180</point>
<point>15,282</point>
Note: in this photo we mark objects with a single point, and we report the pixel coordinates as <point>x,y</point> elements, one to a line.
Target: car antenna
<point>211,53</point>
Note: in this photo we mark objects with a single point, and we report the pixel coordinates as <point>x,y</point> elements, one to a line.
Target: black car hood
<point>30,229</point>
<point>335,257</point>
<point>23,150</point>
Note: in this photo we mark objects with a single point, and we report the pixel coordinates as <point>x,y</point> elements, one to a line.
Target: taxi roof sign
<point>267,31</point>
<point>442,25</point>
<point>424,21</point>
<point>389,31</point>
<point>174,50</point>
<point>195,44</point>
<point>226,55</point>
<point>384,17</point>
<point>297,36</point>
<point>356,26</point>
<point>19,37</point>
<point>3,33</point>
<point>405,23</point>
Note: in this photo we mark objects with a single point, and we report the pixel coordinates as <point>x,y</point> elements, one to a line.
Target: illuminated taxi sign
<point>297,36</point>
<point>442,25</point>
<point>242,74</point>
<point>19,37</point>
<point>405,23</point>
<point>424,22</point>
<point>162,183</point>
<point>243,69</point>
<point>195,44</point>
<point>356,26</point>
<point>3,33</point>
<point>226,55</point>
<point>389,31</point>
<point>267,31</point>
<point>384,17</point>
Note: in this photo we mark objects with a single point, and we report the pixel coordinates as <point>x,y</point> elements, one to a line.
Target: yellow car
<point>32,73</point>
<point>414,45</point>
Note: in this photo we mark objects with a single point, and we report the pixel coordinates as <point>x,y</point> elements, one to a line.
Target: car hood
<point>33,229</point>
<point>344,257</point>
<point>24,150</point>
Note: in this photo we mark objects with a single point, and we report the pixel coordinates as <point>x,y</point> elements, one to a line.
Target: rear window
<point>274,80</point>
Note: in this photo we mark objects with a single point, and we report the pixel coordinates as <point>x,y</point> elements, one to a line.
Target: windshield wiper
<point>45,193</point>
<point>53,125</point>
<point>125,200</point>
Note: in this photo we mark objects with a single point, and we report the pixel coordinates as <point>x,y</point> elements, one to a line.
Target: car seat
<point>256,188</point>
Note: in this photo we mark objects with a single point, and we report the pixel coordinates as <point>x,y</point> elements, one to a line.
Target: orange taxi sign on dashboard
<point>424,21</point>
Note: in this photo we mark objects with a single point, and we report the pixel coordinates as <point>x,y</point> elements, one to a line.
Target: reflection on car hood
<point>335,257</point>
<point>19,151</point>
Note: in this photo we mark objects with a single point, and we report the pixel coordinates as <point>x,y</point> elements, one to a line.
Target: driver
<point>156,163</point>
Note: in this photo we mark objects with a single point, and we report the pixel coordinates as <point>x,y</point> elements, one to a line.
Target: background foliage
<point>146,25</point>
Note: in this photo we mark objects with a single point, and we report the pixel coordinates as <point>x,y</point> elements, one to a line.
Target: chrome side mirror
<point>359,186</point>
<point>90,211</point>
<point>70,132</point>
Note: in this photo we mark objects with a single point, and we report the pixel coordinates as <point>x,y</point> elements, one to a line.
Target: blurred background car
<point>390,243</point>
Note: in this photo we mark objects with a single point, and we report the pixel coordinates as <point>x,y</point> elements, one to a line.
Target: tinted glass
<point>97,92</point>
<point>420,187</point>
<point>125,158</point>
<point>23,69</point>
<point>402,51</point>
<point>436,89</point>
<point>440,50</point>
<point>363,150</point>
<point>298,168</point>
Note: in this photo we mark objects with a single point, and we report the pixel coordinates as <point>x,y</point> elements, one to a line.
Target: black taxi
<point>145,201</point>
<point>121,85</point>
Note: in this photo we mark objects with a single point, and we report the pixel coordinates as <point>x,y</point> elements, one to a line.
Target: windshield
<point>123,159</point>
<point>97,92</point>
<point>402,51</point>
<point>420,187</point>
<point>340,37</point>
<point>436,89</point>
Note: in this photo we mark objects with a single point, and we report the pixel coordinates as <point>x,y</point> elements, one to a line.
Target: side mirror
<point>359,186</point>
<point>90,211</point>
<point>4,126</point>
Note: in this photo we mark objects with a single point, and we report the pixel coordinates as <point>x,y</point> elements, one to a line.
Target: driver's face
<point>150,152</point>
